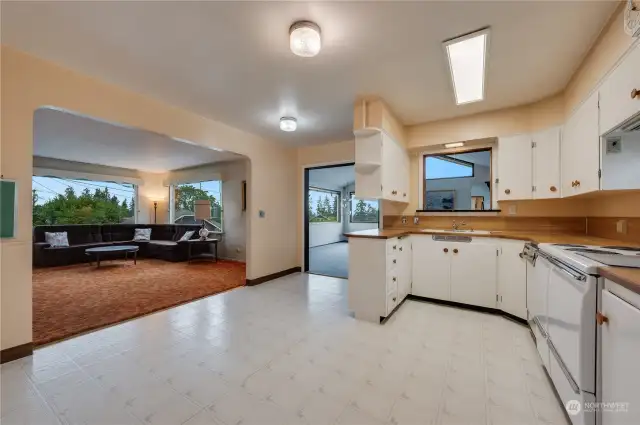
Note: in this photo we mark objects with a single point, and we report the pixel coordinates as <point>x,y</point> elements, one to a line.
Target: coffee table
<point>101,250</point>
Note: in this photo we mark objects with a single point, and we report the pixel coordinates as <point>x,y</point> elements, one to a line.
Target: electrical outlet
<point>621,226</point>
<point>513,209</point>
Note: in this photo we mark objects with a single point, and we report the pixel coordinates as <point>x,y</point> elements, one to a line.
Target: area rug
<point>74,299</point>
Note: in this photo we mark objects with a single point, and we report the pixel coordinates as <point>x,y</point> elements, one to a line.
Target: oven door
<point>571,326</point>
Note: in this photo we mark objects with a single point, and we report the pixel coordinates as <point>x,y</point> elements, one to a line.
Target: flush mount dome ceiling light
<point>467,57</point>
<point>304,39</point>
<point>288,124</point>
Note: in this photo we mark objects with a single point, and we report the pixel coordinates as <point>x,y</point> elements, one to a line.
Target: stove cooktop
<point>587,258</point>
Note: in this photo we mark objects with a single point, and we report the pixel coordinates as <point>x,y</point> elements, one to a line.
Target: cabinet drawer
<point>392,283</point>
<point>392,301</point>
<point>393,246</point>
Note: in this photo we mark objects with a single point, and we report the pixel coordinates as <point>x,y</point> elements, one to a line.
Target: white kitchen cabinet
<point>379,276</point>
<point>546,163</point>
<point>431,268</point>
<point>514,167</point>
<point>512,279</point>
<point>618,100</point>
<point>620,348</point>
<point>382,167</point>
<point>580,150</point>
<point>473,273</point>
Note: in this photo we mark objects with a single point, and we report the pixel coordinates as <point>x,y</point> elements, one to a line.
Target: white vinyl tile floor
<point>286,352</point>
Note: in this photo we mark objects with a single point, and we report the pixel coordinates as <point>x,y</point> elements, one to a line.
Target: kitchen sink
<point>464,231</point>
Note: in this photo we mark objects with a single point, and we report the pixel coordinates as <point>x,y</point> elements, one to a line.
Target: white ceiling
<point>480,158</point>
<point>62,135</point>
<point>231,60</point>
<point>332,178</point>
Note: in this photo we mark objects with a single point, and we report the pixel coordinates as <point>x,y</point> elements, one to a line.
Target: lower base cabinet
<point>485,272</point>
<point>620,348</point>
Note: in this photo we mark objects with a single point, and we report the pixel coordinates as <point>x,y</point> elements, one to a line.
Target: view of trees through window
<point>363,211</point>
<point>75,201</point>
<point>324,205</point>
<point>186,194</point>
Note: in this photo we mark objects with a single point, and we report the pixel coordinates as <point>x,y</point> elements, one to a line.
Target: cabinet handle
<point>394,279</point>
<point>394,299</point>
<point>574,183</point>
<point>455,251</point>
<point>395,247</point>
<point>400,248</point>
<point>577,183</point>
<point>446,250</point>
<point>601,318</point>
<point>394,261</point>
<point>553,188</point>
<point>404,194</point>
<point>635,93</point>
<point>394,192</point>
<point>507,191</point>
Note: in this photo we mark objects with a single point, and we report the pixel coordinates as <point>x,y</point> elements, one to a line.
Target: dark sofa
<point>163,244</point>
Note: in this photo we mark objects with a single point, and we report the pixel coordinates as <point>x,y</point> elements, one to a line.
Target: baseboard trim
<point>272,276</point>
<point>17,352</point>
<point>471,307</point>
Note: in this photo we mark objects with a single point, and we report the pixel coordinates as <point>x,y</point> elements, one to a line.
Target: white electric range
<point>563,296</point>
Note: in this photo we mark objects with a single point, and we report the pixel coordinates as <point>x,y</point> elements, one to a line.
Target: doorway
<point>330,210</point>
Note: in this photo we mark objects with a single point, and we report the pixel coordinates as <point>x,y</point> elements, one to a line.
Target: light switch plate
<point>513,209</point>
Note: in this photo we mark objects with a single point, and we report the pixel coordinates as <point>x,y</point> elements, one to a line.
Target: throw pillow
<point>142,235</point>
<point>187,235</point>
<point>56,238</point>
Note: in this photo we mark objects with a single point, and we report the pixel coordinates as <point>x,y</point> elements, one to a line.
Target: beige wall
<point>29,83</point>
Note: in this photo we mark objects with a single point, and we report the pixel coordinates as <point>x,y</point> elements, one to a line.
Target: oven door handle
<point>563,367</point>
<point>564,269</point>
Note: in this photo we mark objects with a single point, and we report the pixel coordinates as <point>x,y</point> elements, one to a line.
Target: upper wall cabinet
<point>580,150</point>
<point>546,163</point>
<point>382,167</point>
<point>514,168</point>
<point>620,93</point>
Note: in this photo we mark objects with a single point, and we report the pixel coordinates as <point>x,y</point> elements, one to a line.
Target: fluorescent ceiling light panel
<point>467,57</point>
<point>454,145</point>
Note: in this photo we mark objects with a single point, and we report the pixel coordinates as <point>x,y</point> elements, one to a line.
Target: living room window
<point>324,205</point>
<point>362,210</point>
<point>79,201</point>
<point>184,196</point>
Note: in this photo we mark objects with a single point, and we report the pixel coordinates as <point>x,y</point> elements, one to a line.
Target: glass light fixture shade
<point>288,124</point>
<point>305,39</point>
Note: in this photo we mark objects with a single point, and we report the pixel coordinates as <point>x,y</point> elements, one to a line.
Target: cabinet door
<point>620,348</point>
<point>512,279</point>
<point>546,164</point>
<point>404,266</point>
<point>474,273</point>
<point>431,268</point>
<point>514,167</point>
<point>580,157</point>
<point>616,103</point>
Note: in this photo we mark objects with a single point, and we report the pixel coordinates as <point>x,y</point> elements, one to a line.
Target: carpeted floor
<point>330,260</point>
<point>74,299</point>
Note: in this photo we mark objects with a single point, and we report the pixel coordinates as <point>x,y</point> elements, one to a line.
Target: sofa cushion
<point>163,243</point>
<point>56,239</point>
<point>142,235</point>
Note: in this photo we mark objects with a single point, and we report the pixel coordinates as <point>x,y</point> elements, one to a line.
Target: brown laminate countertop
<point>627,277</point>
<point>539,237</point>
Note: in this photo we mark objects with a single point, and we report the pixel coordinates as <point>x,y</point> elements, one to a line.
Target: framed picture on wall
<point>440,199</point>
<point>244,195</point>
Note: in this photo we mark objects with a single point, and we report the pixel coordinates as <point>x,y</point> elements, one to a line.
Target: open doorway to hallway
<point>331,209</point>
